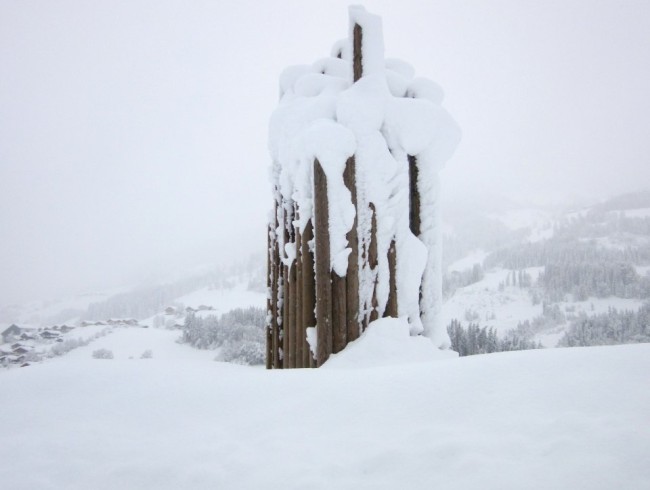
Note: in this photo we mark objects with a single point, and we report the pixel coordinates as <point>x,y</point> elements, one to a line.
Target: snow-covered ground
<point>128,343</point>
<point>503,308</point>
<point>493,307</point>
<point>553,419</point>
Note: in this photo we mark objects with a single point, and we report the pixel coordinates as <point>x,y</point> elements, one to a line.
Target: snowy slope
<point>224,300</point>
<point>618,225</point>
<point>500,309</point>
<point>560,419</point>
<point>538,222</point>
<point>44,313</point>
<point>128,343</point>
<point>503,309</point>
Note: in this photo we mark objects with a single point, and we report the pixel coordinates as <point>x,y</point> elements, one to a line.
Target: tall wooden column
<point>308,290</point>
<point>269,301</point>
<point>323,275</point>
<point>299,325</point>
<point>414,197</point>
<point>352,284</point>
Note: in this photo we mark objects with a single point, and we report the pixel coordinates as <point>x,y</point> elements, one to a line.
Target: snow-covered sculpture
<point>357,143</point>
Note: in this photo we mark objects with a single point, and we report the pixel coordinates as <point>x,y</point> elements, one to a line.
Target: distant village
<point>23,345</point>
<point>20,344</point>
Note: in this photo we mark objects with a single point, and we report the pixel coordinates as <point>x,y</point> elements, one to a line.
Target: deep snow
<point>552,419</point>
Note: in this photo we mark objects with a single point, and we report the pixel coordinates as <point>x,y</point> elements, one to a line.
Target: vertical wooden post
<point>414,197</point>
<point>323,275</point>
<point>352,283</point>
<point>391,304</point>
<point>275,296</point>
<point>285,292</point>
<point>291,315</point>
<point>269,302</point>
<point>339,313</point>
<point>290,298</point>
<point>299,325</point>
<point>284,331</point>
<point>308,290</point>
<point>373,260</point>
<point>357,53</point>
<point>415,218</point>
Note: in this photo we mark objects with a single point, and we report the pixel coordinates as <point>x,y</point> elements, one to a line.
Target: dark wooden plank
<point>323,275</point>
<point>415,221</point>
<point>284,331</point>
<point>269,308</point>
<point>357,53</point>
<point>352,278</point>
<point>339,313</point>
<point>415,217</point>
<point>299,325</point>
<point>391,304</point>
<point>373,260</point>
<point>275,297</point>
<point>291,315</point>
<point>308,290</point>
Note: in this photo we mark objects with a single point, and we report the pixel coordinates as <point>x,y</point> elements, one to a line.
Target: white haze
<point>133,133</point>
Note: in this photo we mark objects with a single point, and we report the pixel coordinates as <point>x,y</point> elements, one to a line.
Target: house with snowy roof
<point>11,333</point>
<point>49,334</point>
<point>357,142</point>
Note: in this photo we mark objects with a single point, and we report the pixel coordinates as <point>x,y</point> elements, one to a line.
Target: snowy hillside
<point>216,295</point>
<point>238,284</point>
<point>537,273</point>
<point>560,419</point>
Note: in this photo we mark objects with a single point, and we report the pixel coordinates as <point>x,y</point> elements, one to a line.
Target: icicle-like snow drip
<point>358,144</point>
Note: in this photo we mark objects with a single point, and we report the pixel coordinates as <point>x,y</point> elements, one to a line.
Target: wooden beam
<point>373,260</point>
<point>269,307</point>
<point>357,52</point>
<point>285,293</point>
<point>352,282</point>
<point>308,290</point>
<point>284,331</point>
<point>323,275</point>
<point>291,308</point>
<point>415,221</point>
<point>339,313</point>
<point>275,297</point>
<point>391,304</point>
<point>299,325</point>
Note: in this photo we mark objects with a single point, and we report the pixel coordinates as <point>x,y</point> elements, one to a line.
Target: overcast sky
<point>133,134</point>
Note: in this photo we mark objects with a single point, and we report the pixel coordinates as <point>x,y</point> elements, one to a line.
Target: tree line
<point>239,334</point>
<point>610,328</point>
<point>473,340</point>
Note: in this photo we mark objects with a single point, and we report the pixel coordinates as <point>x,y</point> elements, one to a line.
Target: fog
<point>133,133</point>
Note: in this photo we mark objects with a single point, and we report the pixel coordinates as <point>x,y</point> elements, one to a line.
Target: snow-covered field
<point>503,308</point>
<point>553,419</point>
<point>500,309</point>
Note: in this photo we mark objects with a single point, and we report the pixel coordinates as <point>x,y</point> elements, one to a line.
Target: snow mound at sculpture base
<point>387,342</point>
